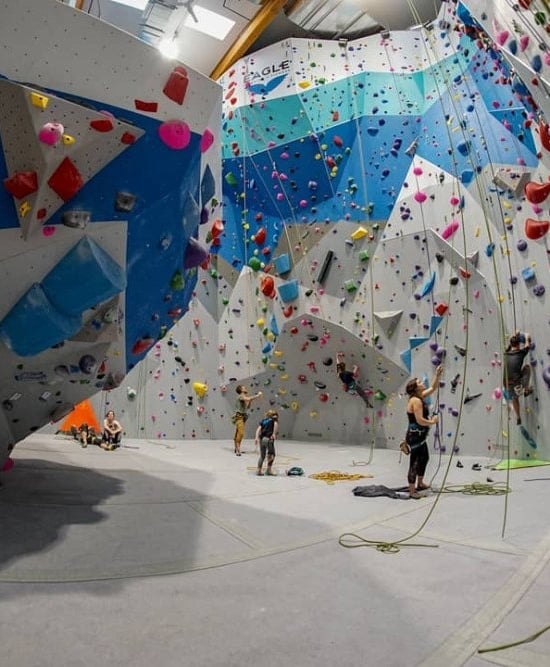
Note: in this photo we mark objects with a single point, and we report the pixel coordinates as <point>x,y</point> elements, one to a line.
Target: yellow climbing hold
<point>359,233</point>
<point>304,84</point>
<point>40,101</point>
<point>200,388</point>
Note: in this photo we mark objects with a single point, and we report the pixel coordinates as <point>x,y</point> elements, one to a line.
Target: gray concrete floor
<point>252,571</point>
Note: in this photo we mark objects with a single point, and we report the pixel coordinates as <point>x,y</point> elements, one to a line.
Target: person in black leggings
<point>417,431</point>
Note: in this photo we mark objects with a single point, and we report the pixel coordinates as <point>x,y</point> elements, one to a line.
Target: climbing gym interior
<point>385,197</point>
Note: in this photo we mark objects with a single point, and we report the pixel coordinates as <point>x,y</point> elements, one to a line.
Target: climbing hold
<point>420,197</point>
<point>546,376</point>
<point>195,253</point>
<point>267,287</point>
<point>125,201</point>
<point>379,395</point>
<point>176,86</point>
<point>200,388</point>
<point>207,140</point>
<point>323,397</point>
<point>177,281</point>
<point>428,287</point>
<point>142,345</point>
<point>288,291</point>
<point>536,193</point>
<point>131,393</point>
<point>40,101</point>
<point>319,385</point>
<point>441,308</point>
<point>51,133</point>
<point>327,361</point>
<point>254,263</point>
<point>450,229</point>
<point>175,134</point>
<point>21,184</point>
<point>260,236</point>
<point>359,233</point>
<point>536,229</point>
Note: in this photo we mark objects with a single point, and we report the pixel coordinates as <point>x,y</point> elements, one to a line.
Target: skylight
<point>137,4</point>
<point>209,22</point>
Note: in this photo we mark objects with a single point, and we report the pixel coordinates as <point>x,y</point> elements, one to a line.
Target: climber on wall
<point>349,379</point>
<point>516,375</point>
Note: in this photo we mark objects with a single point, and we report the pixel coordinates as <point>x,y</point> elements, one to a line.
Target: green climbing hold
<point>364,255</point>
<point>177,281</point>
<point>350,286</point>
<point>230,179</point>
<point>254,263</point>
<point>380,395</point>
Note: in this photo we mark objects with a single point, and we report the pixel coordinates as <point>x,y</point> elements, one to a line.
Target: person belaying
<point>265,436</point>
<point>517,375</point>
<point>350,378</point>
<point>241,415</point>
<point>417,431</point>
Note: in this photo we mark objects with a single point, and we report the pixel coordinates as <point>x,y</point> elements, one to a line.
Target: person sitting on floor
<point>112,432</point>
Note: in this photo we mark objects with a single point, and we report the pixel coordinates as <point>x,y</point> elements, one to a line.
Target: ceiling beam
<point>265,15</point>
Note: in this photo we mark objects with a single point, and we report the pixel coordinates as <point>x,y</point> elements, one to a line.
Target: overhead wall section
<point>375,203</point>
<point>109,163</point>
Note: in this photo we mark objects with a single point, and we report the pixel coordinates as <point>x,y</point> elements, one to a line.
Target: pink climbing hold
<point>207,140</point>
<point>417,171</point>
<point>502,36</point>
<point>454,201</point>
<point>450,229</point>
<point>523,42</point>
<point>175,134</point>
<point>420,197</point>
<point>51,133</point>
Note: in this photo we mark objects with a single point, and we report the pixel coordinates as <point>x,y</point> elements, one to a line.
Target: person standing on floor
<point>112,432</point>
<point>417,431</point>
<point>517,375</point>
<point>240,417</point>
<point>266,434</point>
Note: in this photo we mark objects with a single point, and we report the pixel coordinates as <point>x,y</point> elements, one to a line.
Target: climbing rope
<point>332,476</point>
<point>530,638</point>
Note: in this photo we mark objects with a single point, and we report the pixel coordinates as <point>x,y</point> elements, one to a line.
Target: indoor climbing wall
<point>386,198</point>
<point>109,165</point>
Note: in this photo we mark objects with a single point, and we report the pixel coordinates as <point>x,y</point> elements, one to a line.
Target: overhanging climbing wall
<point>109,164</point>
<point>388,199</point>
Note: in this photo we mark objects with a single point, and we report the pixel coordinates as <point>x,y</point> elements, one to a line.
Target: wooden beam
<point>267,12</point>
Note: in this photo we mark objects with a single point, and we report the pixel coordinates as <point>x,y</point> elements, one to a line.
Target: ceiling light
<point>137,4</point>
<point>168,47</point>
<point>209,23</point>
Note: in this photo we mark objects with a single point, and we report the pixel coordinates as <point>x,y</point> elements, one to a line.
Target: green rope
<point>501,647</point>
<point>478,489</point>
<point>384,547</point>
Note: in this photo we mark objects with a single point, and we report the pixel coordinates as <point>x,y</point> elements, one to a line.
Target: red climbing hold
<point>259,236</point>
<point>142,345</point>
<point>441,309</point>
<point>150,107</point>
<point>544,131</point>
<point>536,229</point>
<point>21,184</point>
<point>102,124</point>
<point>267,287</point>
<point>465,274</point>
<point>288,311</point>
<point>66,180</point>
<point>536,193</point>
<point>176,86</point>
<point>128,138</point>
<point>216,229</point>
